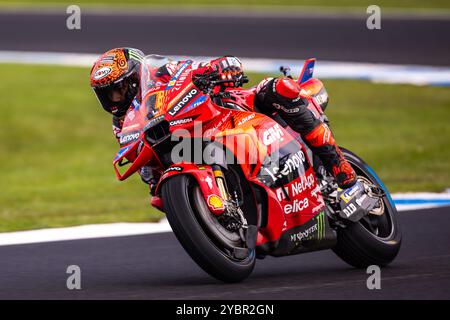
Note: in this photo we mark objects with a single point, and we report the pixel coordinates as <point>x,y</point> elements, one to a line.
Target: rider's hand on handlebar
<point>228,68</point>
<point>222,72</point>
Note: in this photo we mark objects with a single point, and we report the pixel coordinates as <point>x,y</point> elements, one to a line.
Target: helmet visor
<point>114,97</point>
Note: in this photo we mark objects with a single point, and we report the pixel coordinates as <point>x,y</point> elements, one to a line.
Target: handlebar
<point>206,83</point>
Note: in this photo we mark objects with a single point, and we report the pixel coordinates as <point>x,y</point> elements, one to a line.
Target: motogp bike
<point>237,185</point>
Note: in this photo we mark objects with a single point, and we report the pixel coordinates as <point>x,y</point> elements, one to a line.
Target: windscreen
<point>149,80</point>
<point>150,66</point>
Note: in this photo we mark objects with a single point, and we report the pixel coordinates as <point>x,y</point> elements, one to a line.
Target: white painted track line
<point>385,73</point>
<point>404,202</point>
<point>83,232</point>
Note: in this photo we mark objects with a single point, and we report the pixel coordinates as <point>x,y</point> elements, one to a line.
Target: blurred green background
<point>57,145</point>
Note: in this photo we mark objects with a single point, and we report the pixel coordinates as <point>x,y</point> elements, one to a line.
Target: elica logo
<point>296,206</point>
<point>102,72</point>
<point>272,134</point>
<point>183,102</point>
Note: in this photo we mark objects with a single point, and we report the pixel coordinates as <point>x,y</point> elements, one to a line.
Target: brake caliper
<point>357,201</point>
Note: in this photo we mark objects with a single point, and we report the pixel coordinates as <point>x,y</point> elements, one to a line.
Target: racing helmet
<point>115,78</point>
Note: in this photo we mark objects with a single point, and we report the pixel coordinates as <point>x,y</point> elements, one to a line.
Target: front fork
<point>246,232</point>
<point>221,183</point>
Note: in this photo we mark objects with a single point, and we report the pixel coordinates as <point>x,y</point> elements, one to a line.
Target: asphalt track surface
<point>401,40</point>
<point>156,267</point>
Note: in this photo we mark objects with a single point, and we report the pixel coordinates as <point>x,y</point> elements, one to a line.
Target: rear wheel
<point>376,238</point>
<point>213,247</point>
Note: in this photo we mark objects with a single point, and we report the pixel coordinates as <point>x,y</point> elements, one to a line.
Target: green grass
<point>246,3</point>
<point>402,131</point>
<point>56,145</point>
<point>56,152</point>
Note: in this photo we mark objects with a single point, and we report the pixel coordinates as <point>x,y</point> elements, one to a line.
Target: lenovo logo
<point>183,101</point>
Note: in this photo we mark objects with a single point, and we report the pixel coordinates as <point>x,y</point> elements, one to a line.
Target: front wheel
<point>376,238</point>
<point>208,243</point>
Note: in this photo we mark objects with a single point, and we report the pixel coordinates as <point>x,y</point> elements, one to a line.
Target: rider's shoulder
<point>262,85</point>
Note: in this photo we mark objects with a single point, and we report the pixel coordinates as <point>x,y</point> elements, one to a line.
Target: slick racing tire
<point>375,239</point>
<point>196,228</point>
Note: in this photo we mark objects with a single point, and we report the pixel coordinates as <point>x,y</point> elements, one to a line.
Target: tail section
<point>307,71</point>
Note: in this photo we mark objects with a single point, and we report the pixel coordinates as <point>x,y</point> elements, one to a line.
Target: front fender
<point>205,179</point>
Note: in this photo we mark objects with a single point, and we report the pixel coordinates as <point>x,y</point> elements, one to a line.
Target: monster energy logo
<point>310,233</point>
<point>321,225</point>
<point>136,55</point>
<point>307,234</point>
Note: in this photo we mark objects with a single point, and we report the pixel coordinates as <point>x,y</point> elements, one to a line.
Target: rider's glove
<point>228,68</point>
<point>149,177</point>
<point>146,174</point>
<point>225,68</point>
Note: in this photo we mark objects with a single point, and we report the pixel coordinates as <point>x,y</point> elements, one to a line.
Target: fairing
<point>271,158</point>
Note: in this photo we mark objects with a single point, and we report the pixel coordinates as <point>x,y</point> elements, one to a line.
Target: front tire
<point>373,240</point>
<point>182,206</point>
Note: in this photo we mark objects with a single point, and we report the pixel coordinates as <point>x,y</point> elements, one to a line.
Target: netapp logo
<point>183,101</point>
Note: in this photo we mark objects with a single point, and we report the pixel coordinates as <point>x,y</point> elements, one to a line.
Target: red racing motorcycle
<point>237,185</point>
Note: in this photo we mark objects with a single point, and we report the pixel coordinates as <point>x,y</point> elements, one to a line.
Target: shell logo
<point>215,202</point>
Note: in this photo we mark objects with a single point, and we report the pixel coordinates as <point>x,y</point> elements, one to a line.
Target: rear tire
<point>182,209</point>
<point>374,240</point>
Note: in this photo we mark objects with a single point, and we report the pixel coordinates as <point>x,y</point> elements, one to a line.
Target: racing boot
<point>322,143</point>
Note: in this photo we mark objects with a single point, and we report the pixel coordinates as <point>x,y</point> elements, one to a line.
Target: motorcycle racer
<point>115,80</point>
